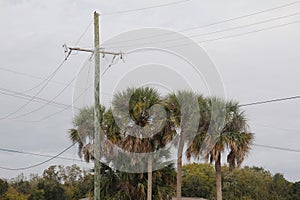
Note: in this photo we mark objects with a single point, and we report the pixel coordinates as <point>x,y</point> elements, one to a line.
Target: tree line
<point>247,183</point>
<point>56,183</point>
<point>198,180</point>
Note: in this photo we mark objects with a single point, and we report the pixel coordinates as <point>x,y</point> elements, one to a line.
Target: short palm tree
<point>234,136</point>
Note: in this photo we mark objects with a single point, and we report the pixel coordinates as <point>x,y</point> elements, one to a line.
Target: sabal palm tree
<point>145,128</point>
<point>185,117</point>
<point>83,133</point>
<point>234,136</point>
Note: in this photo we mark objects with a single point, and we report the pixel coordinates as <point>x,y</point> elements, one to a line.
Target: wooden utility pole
<point>97,134</point>
<point>97,106</point>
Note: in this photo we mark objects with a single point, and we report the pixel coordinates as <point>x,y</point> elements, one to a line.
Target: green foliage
<point>248,183</point>
<point>125,186</point>
<point>37,194</point>
<point>296,191</point>
<point>13,194</point>
<point>3,187</point>
<point>198,180</point>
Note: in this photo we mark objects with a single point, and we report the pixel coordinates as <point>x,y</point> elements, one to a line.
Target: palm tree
<point>234,136</point>
<point>144,127</point>
<point>185,118</point>
<point>83,133</point>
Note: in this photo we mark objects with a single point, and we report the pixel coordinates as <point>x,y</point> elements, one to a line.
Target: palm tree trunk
<point>179,168</point>
<point>218,177</point>
<point>149,191</point>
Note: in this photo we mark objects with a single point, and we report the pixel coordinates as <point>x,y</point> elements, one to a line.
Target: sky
<point>256,66</point>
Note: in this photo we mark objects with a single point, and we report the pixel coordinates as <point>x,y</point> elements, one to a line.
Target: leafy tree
<point>36,194</point>
<point>296,191</point>
<point>198,180</point>
<point>247,183</point>
<point>3,187</point>
<point>51,184</point>
<point>13,194</point>
<point>281,186</point>
<point>21,184</point>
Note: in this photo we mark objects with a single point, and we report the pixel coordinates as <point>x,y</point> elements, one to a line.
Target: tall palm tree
<point>234,136</point>
<point>185,117</point>
<point>144,127</point>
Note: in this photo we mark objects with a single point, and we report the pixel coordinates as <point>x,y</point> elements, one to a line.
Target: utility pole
<point>97,134</point>
<point>97,107</point>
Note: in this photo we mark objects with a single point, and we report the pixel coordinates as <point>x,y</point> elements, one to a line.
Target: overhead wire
<point>213,23</point>
<point>237,35</point>
<point>77,98</point>
<point>64,109</point>
<point>40,163</point>
<point>58,155</point>
<point>36,94</point>
<point>219,38</point>
<point>270,101</point>
<point>275,127</point>
<point>52,99</point>
<point>145,8</point>
<point>45,82</point>
<point>209,33</point>
<point>28,75</point>
<point>277,148</point>
<point>38,154</point>
<point>83,33</point>
<point>25,96</point>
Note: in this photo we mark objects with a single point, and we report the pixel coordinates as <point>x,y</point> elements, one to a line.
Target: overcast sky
<point>253,67</point>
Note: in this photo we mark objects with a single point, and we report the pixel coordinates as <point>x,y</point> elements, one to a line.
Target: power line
<point>213,32</point>
<point>35,77</point>
<point>48,79</point>
<point>237,35</point>
<point>83,34</point>
<point>52,99</point>
<point>30,76</point>
<point>64,109</point>
<point>37,154</point>
<point>38,164</point>
<point>214,23</point>
<point>224,37</point>
<point>63,158</point>
<point>36,94</point>
<point>274,127</point>
<point>145,8</point>
<point>270,101</point>
<point>77,98</point>
<point>26,96</point>
<point>277,148</point>
<point>76,43</point>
